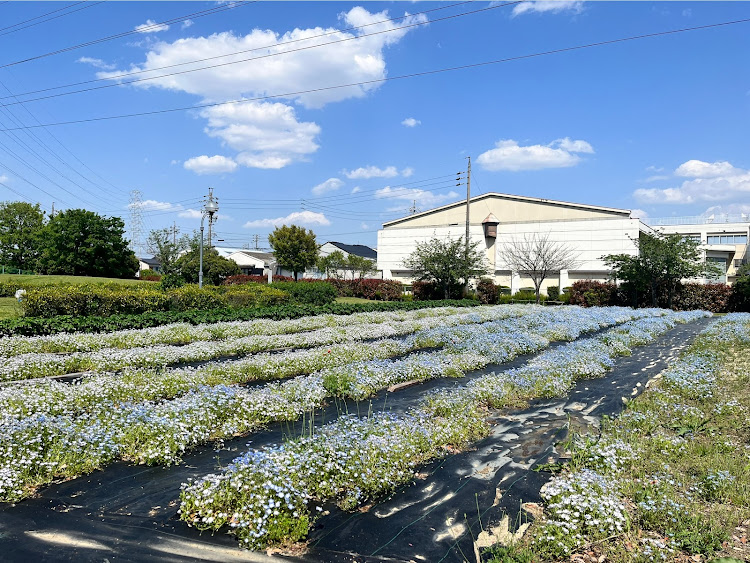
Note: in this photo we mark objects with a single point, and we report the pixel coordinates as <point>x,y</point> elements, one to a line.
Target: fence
<point>12,270</point>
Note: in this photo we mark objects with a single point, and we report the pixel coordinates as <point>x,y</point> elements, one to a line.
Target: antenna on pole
<point>136,221</point>
<point>211,207</point>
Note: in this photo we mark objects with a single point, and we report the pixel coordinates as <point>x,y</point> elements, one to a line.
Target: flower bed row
<point>35,365</point>
<point>668,478</point>
<point>267,496</point>
<point>72,429</point>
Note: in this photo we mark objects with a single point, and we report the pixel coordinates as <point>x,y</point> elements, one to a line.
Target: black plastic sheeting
<point>129,513</point>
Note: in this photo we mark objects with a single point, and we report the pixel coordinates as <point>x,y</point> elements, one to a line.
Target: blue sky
<point>657,124</point>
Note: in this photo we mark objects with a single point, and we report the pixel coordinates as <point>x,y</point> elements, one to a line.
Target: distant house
<point>346,249</point>
<point>149,264</point>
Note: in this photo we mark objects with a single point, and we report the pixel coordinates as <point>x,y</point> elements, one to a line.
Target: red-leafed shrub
<point>487,292</point>
<point>590,293</point>
<point>150,275</point>
<point>377,289</point>
<point>714,297</point>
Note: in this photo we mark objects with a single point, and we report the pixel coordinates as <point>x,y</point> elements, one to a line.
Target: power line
<point>268,55</point>
<point>87,5</point>
<point>393,78</point>
<point>142,29</point>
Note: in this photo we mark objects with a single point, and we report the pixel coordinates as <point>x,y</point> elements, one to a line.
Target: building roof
<point>259,254</point>
<point>356,249</point>
<point>151,261</point>
<point>524,198</point>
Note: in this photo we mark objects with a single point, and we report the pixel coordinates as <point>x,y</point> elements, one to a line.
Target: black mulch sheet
<point>129,513</point>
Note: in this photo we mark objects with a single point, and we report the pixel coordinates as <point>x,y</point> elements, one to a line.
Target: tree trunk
<point>295,275</point>
<point>654,300</point>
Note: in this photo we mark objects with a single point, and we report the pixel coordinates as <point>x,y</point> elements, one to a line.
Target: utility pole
<point>175,229</point>
<point>468,202</point>
<point>52,214</point>
<point>256,242</point>
<point>413,208</point>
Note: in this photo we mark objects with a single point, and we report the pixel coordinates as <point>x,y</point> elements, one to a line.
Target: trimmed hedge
<point>487,291</point>
<point>590,293</point>
<point>35,326</point>
<point>107,300</point>
<point>367,288</point>
<point>244,278</point>
<point>313,293</point>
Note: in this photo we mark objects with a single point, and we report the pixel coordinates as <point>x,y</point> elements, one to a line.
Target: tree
<point>215,268</point>
<point>360,266</point>
<point>165,248</point>
<point>446,263</point>
<point>81,243</point>
<point>662,261</point>
<point>21,224</point>
<point>536,256</point>
<point>294,247</point>
<point>333,264</point>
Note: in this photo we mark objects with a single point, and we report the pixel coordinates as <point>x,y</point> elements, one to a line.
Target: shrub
<point>171,281</point>
<point>104,299</point>
<point>189,297</point>
<point>430,291</point>
<point>487,291</point>
<point>150,275</point>
<point>244,278</point>
<point>254,295</point>
<point>590,293</point>
<point>314,292</point>
<point>527,295</point>
<point>714,297</point>
<point>379,290</point>
<point>553,292</point>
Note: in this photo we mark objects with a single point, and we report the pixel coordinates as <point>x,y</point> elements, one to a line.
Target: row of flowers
<point>36,365</point>
<point>184,333</point>
<point>272,495</point>
<point>50,429</point>
<point>590,502</point>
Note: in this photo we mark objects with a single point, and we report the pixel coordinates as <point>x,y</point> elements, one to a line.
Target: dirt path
<point>128,513</point>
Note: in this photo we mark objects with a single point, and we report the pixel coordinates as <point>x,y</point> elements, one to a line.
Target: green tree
<point>360,266</point>
<point>215,268</point>
<point>21,224</point>
<point>662,261</point>
<point>446,263</point>
<point>294,247</point>
<point>81,243</point>
<point>333,264</point>
<point>166,248</point>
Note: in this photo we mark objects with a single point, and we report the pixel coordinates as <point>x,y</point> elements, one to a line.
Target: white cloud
<point>657,178</point>
<point>356,189</point>
<point>700,169</point>
<point>364,225</point>
<point>267,134</point>
<point>173,162</point>
<point>638,213</point>
<point>187,23</point>
<point>410,122</point>
<point>216,164</point>
<point>717,181</point>
<point>98,63</point>
<point>728,209</point>
<point>509,155</point>
<point>343,62</point>
<point>367,172</point>
<point>422,197</point>
<point>191,214</point>
<point>151,27</point>
<point>407,172</point>
<point>3,178</point>
<point>554,6</point>
<point>302,218</point>
<point>330,185</point>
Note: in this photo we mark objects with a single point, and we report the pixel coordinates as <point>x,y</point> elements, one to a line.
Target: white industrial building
<point>497,220</point>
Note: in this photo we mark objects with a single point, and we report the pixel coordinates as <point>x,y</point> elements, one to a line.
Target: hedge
<point>107,300</point>
<point>36,326</point>
<point>367,288</point>
<point>315,293</point>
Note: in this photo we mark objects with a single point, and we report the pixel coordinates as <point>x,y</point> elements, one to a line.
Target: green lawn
<point>352,300</point>
<point>9,308</point>
<point>41,280</point>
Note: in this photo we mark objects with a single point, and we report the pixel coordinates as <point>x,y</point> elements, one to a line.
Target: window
<point>726,239</point>
<point>738,262</point>
<point>694,238</point>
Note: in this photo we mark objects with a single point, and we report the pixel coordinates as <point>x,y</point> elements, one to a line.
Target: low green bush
<point>85,300</point>
<point>254,295</point>
<point>190,297</point>
<point>553,292</point>
<point>38,326</point>
<point>308,292</point>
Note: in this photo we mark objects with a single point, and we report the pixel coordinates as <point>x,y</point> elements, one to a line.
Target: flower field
<point>272,495</point>
<point>51,429</point>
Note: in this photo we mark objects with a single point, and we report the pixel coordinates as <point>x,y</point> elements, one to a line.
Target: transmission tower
<point>136,221</point>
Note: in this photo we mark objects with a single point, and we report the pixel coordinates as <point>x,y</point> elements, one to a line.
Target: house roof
<point>260,255</point>
<point>612,210</point>
<point>151,261</point>
<point>356,249</point>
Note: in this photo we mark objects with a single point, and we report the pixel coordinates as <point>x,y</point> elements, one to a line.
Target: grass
<point>686,488</point>
<point>352,300</point>
<point>9,308</point>
<point>78,280</point>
